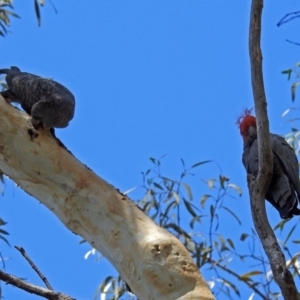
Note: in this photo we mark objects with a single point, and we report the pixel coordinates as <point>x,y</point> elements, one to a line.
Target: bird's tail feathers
<point>296,211</point>
<point>5,71</point>
<point>12,69</point>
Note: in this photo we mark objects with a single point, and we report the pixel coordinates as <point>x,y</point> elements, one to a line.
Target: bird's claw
<point>36,123</point>
<point>33,133</point>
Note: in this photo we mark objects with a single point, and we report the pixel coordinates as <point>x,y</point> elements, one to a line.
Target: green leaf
<point>200,163</point>
<point>158,186</point>
<point>178,229</point>
<point>188,191</point>
<point>182,161</point>
<point>223,243</point>
<point>289,72</point>
<point>173,204</point>
<point>129,191</point>
<point>195,219</point>
<point>8,12</point>
<point>190,208</point>
<point>230,284</point>
<point>236,188</point>
<point>212,211</point>
<point>3,232</point>
<point>230,242</point>
<point>203,199</point>
<point>294,261</point>
<point>223,179</point>
<point>12,14</point>
<point>105,284</point>
<point>233,214</point>
<point>249,274</point>
<point>286,112</point>
<point>191,245</point>
<point>176,197</point>
<point>5,19</point>
<point>206,250</point>
<point>210,183</point>
<point>217,223</point>
<point>216,245</point>
<point>37,12</point>
<point>4,239</point>
<point>146,200</point>
<point>2,222</point>
<point>290,233</point>
<point>204,255</point>
<point>244,236</point>
<point>293,88</point>
<point>281,224</point>
<point>153,160</point>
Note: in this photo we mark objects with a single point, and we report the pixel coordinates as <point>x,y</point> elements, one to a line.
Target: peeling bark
<point>151,260</point>
<point>258,186</point>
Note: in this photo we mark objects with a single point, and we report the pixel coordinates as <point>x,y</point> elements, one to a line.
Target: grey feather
<point>284,189</point>
<point>49,103</point>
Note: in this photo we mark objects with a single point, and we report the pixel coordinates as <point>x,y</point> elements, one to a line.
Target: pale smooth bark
<point>152,261</point>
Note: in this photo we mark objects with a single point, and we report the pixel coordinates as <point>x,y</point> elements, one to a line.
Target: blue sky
<point>150,78</point>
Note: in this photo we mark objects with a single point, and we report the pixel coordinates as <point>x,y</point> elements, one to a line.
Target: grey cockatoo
<point>49,103</point>
<point>284,189</point>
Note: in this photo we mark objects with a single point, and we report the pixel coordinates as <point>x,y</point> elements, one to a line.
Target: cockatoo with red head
<point>284,189</point>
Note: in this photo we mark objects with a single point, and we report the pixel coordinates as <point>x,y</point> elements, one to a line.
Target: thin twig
<point>35,268</point>
<point>252,286</point>
<point>294,43</point>
<point>289,17</point>
<point>33,289</point>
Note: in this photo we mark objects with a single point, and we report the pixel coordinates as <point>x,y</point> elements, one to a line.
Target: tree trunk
<point>258,186</point>
<point>151,260</point>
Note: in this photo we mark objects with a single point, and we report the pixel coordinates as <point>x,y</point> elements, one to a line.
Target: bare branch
<point>294,43</point>
<point>35,268</point>
<point>246,281</point>
<point>33,289</point>
<point>258,187</point>
<point>289,17</point>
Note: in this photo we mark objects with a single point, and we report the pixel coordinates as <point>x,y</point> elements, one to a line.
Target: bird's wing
<point>250,158</point>
<point>288,159</point>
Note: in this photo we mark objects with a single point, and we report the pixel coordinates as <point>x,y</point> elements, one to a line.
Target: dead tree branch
<point>251,285</point>
<point>258,186</point>
<point>34,267</point>
<point>33,289</point>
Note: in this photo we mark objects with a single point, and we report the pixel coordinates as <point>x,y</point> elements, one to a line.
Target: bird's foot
<point>32,133</point>
<point>36,123</point>
<point>31,130</point>
<point>7,95</point>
